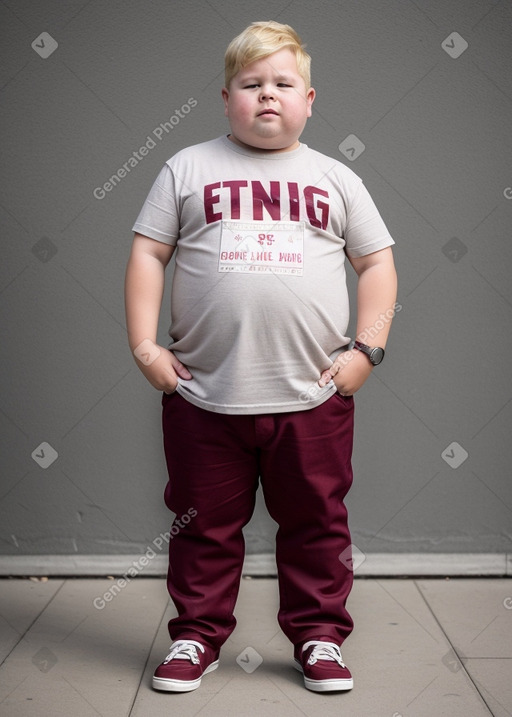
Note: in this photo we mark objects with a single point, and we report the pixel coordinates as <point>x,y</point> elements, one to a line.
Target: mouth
<point>267,112</point>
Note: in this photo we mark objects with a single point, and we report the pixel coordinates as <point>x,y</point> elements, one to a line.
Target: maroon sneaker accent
<point>323,668</point>
<point>186,663</point>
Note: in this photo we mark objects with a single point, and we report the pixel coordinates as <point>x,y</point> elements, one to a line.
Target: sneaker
<point>186,663</point>
<point>322,666</point>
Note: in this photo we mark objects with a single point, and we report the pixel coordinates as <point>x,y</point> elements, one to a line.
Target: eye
<point>283,84</point>
<point>250,87</point>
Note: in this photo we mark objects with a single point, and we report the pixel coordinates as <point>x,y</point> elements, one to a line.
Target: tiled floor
<point>421,648</point>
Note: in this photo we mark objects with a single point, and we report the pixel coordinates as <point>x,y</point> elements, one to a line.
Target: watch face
<point>376,356</point>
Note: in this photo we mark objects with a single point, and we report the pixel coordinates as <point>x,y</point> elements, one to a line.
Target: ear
<point>225,97</point>
<point>310,96</point>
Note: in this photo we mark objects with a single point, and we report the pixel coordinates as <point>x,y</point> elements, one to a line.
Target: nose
<point>266,93</point>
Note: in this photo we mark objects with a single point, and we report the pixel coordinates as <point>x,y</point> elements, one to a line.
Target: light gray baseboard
<point>153,564</point>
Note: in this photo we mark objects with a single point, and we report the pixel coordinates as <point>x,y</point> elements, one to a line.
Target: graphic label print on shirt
<point>262,247</point>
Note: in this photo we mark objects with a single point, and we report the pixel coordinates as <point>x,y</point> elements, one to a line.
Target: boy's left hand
<point>349,372</point>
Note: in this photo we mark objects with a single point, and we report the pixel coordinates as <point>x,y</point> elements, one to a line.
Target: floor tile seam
<point>287,697</point>
<point>411,580</point>
<point>467,659</point>
<point>450,643</point>
<point>494,698</point>
<point>150,650</point>
<point>215,694</point>
<point>31,625</point>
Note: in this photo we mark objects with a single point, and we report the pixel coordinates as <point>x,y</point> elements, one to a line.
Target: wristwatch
<point>375,354</point>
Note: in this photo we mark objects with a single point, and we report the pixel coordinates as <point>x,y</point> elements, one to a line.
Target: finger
<point>334,369</point>
<point>183,371</point>
<point>180,368</point>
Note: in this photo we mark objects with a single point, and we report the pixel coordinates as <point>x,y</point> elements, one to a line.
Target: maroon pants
<point>215,462</point>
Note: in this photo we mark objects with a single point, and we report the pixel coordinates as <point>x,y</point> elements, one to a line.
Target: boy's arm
<point>144,288</point>
<point>376,297</point>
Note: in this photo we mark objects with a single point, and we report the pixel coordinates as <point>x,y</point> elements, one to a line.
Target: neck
<point>262,150</point>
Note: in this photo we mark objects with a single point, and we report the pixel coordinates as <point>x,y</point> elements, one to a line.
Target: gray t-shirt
<point>259,303</point>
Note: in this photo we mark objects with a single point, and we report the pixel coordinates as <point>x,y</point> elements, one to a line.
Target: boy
<point>259,382</point>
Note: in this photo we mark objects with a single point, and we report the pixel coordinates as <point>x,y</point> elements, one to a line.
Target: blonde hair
<point>262,39</point>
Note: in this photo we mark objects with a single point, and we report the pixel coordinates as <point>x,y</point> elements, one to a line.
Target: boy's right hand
<point>160,366</point>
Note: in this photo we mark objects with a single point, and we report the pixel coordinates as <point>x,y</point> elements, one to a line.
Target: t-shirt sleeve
<point>365,230</point>
<point>159,217</point>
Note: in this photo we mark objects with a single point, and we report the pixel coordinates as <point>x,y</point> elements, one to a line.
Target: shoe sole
<point>334,685</point>
<point>166,685</point>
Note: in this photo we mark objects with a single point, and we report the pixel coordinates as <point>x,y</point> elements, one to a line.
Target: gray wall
<point>432,454</point>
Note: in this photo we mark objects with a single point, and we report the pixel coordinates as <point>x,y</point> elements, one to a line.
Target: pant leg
<point>306,474</point>
<point>213,476</point>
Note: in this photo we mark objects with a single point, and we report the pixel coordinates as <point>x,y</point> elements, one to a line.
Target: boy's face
<point>267,103</point>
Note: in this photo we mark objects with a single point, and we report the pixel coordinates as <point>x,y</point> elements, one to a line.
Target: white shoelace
<point>324,651</point>
<point>184,650</point>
